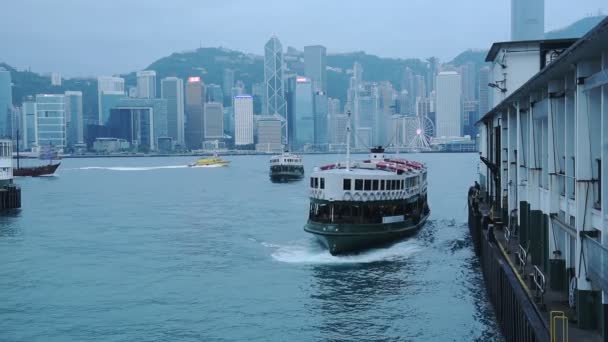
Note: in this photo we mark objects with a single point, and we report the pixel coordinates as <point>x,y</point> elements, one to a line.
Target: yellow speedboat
<point>214,161</point>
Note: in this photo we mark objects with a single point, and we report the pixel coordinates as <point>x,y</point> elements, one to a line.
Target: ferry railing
<point>540,284</point>
<point>522,257</point>
<point>507,234</point>
<point>596,256</point>
<point>559,326</point>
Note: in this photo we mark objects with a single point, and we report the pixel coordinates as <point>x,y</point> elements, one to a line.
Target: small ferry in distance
<point>363,204</point>
<point>214,161</point>
<point>286,167</point>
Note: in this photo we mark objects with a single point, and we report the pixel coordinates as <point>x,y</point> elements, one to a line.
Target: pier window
<point>358,184</point>
<point>375,184</point>
<point>346,184</point>
<point>322,183</point>
<point>382,184</point>
<point>368,184</point>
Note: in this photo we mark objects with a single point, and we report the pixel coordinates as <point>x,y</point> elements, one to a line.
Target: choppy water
<point>146,249</point>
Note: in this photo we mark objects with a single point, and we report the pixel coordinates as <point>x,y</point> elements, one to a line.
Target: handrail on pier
<point>522,256</point>
<point>540,285</point>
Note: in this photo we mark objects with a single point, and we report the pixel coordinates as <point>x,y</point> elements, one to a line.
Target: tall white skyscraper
<point>449,94</point>
<point>74,118</point>
<point>172,89</point>
<point>273,80</point>
<point>146,84</point>
<point>527,19</point>
<point>50,121</point>
<point>109,90</point>
<point>243,120</point>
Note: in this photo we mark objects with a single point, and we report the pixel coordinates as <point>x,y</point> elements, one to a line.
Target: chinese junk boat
<point>358,205</point>
<point>286,167</point>
<point>41,170</point>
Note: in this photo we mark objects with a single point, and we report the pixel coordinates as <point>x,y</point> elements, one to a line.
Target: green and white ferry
<point>369,203</point>
<point>286,167</point>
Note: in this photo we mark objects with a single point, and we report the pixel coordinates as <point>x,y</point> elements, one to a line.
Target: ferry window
<point>322,183</point>
<point>375,184</point>
<point>401,184</point>
<point>368,184</point>
<point>382,184</point>
<point>358,184</point>
<point>346,184</point>
<point>312,182</point>
<point>316,182</point>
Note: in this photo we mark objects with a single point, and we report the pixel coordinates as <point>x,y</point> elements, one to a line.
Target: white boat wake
<point>127,168</point>
<point>300,254</point>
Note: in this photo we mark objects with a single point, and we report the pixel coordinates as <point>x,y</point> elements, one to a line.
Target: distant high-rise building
<point>195,97</point>
<point>470,114</point>
<point>214,93</point>
<point>146,84</point>
<point>304,126</point>
<point>333,106</point>
<point>6,102</point>
<point>315,66</point>
<point>214,121</point>
<point>423,106</point>
<point>228,83</point>
<point>140,121</point>
<point>172,89</point>
<point>273,79</point>
<point>257,91</point>
<point>337,129</point>
<point>55,79</point>
<point>527,19</point>
<point>74,118</point>
<point>114,87</point>
<point>468,74</point>
<point>448,104</point>
<point>431,73</point>
<point>320,120</point>
<point>268,134</point>
<point>484,100</point>
<point>243,120</point>
<point>50,121</point>
<point>28,110</point>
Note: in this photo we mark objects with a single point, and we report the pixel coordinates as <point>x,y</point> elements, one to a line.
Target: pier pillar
<point>604,187</point>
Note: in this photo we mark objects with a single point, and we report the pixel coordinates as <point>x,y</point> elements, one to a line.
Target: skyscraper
<point>257,91</point>
<point>172,89</point>
<point>227,83</point>
<point>484,100</point>
<point>146,121</point>
<point>214,93</point>
<point>109,90</point>
<point>50,121</point>
<point>243,120</point>
<point>214,121</point>
<point>268,134</point>
<point>468,74</point>
<point>28,110</point>
<point>195,95</point>
<point>273,79</point>
<point>448,120</point>
<point>6,102</point>
<point>146,84</point>
<point>315,66</point>
<point>304,126</point>
<point>527,19</point>
<point>320,120</point>
<point>74,118</point>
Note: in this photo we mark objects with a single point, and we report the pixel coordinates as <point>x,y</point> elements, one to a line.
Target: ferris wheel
<point>418,133</point>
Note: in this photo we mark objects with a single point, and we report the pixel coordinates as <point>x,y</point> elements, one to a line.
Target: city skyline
<point>105,48</point>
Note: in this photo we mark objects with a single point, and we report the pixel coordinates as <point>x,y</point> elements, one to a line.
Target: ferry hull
<point>281,176</point>
<point>349,238</point>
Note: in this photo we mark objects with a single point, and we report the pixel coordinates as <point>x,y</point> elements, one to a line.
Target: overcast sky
<point>97,37</point>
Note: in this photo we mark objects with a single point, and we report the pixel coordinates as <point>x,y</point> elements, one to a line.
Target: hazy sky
<point>95,37</point>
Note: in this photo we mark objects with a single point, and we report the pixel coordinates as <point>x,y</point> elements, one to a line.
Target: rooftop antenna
<point>348,141</point>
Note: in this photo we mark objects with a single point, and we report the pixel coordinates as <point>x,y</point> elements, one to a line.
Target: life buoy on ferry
<point>372,197</point>
<point>364,197</point>
<point>347,196</point>
<point>357,197</point>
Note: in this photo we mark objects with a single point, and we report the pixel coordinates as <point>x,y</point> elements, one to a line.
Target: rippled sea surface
<point>146,249</point>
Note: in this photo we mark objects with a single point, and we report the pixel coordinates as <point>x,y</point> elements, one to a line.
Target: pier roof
<point>543,43</point>
<point>589,45</point>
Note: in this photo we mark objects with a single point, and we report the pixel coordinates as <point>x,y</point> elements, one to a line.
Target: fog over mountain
<point>91,37</point>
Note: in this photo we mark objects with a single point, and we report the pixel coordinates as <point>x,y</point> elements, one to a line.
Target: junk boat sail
<point>286,167</point>
<point>47,153</point>
<point>362,204</point>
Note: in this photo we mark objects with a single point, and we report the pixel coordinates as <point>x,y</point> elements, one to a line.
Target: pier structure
<point>543,175</point>
<point>10,193</point>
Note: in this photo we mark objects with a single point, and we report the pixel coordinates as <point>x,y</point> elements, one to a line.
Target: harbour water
<point>147,249</point>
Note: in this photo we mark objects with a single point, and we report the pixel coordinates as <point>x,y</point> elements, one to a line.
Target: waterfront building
<point>214,121</point>
<point>172,89</point>
<point>243,120</point>
<point>214,93</point>
<point>483,90</point>
<point>527,19</point>
<point>304,126</point>
<point>56,79</point>
<point>470,115</point>
<point>268,134</point>
<point>468,74</point>
<point>320,120</point>
<point>139,121</point>
<point>333,106</point>
<point>109,90</point>
<point>6,102</point>
<point>50,121</point>
<point>315,66</point>
<point>227,83</point>
<point>28,134</point>
<point>337,129</point>
<point>274,82</point>
<point>195,97</point>
<point>544,148</point>
<point>448,104</point>
<point>74,118</point>
<point>257,91</point>
<point>146,84</point>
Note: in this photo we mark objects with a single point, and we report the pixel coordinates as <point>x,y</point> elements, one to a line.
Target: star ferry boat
<point>286,167</point>
<point>363,204</point>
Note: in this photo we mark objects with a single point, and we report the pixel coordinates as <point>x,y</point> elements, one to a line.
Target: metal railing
<point>540,284</point>
<point>507,234</point>
<point>559,326</point>
<point>597,261</point>
<point>522,257</point>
